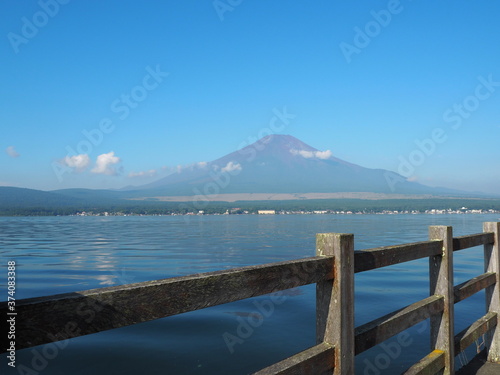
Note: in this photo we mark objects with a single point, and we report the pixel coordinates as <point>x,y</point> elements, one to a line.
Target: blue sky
<point>409,86</point>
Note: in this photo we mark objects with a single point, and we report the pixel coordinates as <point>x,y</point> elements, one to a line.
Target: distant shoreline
<point>385,212</point>
<point>47,204</point>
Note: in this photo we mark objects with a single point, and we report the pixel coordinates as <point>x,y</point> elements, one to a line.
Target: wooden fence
<point>59,317</point>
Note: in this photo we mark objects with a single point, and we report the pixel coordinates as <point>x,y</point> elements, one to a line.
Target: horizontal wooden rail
<point>474,285</point>
<point>316,360</point>
<point>430,364</point>
<point>474,331</point>
<point>378,257</point>
<point>365,260</point>
<point>373,333</point>
<point>58,317</point>
<point>465,242</point>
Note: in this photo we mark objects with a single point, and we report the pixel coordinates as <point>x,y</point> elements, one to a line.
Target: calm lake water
<point>67,254</point>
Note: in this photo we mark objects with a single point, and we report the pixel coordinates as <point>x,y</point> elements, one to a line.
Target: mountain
<point>20,201</point>
<point>281,164</point>
<point>14,197</point>
<point>277,167</point>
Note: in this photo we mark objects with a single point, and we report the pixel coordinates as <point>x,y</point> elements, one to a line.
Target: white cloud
<point>150,173</point>
<point>179,168</point>
<point>313,154</point>
<point>231,166</point>
<point>104,164</point>
<point>303,153</point>
<point>78,162</point>
<point>324,154</point>
<point>11,151</point>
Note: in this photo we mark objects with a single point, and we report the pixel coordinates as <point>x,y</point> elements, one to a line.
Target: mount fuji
<point>281,164</point>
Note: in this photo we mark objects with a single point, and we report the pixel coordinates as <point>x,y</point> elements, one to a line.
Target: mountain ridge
<point>282,164</point>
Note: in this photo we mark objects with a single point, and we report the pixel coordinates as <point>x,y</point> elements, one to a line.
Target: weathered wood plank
<point>373,333</point>
<point>465,242</point>
<point>492,264</point>
<point>58,317</point>
<point>474,285</point>
<point>429,365</point>
<point>441,283</point>
<point>335,300</point>
<point>474,331</point>
<point>316,360</point>
<point>365,260</point>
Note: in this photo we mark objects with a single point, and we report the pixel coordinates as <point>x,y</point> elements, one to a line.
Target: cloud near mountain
<point>312,154</point>
<point>231,167</point>
<point>78,162</point>
<point>11,151</point>
<point>105,164</point>
<point>150,173</point>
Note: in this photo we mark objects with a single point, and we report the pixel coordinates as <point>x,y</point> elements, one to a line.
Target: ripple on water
<point>66,254</point>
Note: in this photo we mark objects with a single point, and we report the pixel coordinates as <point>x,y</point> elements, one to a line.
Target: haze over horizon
<point>100,96</point>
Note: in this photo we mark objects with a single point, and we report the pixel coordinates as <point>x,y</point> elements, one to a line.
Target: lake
<point>67,254</point>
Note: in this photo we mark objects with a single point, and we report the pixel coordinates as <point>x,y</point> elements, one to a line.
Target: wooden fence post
<point>335,300</point>
<point>441,283</point>
<point>492,264</point>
